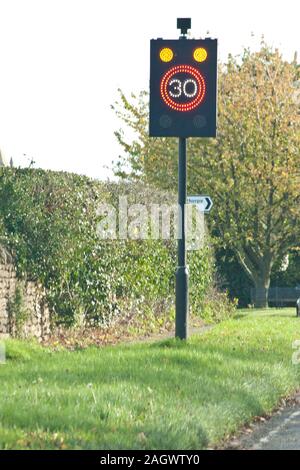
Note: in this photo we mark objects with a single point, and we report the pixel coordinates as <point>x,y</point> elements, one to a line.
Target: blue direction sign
<point>204,203</point>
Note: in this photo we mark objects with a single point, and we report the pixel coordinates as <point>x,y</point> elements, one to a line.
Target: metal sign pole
<point>182,276</point>
<point>183,103</point>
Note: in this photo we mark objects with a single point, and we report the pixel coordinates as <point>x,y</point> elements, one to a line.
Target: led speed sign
<point>183,78</point>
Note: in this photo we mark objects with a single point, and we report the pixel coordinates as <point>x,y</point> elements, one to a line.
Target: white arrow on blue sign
<point>204,203</point>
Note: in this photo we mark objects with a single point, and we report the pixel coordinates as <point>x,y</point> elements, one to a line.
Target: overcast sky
<point>61,62</point>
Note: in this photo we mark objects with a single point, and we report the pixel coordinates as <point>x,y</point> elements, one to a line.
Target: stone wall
<point>23,308</point>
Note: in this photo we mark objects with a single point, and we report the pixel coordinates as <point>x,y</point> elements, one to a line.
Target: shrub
<point>48,220</point>
<point>217,306</point>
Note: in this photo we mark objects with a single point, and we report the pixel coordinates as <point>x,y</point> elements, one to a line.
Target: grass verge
<point>162,395</point>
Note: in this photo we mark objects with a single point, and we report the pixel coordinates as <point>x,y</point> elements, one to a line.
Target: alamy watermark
<point>296,355</point>
<point>151,222</point>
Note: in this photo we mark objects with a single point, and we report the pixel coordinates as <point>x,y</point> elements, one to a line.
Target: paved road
<point>281,432</point>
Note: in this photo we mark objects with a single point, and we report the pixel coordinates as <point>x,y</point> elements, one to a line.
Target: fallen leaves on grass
<point>125,331</point>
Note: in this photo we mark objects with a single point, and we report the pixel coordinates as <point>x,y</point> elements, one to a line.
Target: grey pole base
<point>182,302</point>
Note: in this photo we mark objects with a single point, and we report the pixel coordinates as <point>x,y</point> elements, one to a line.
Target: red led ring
<point>183,106</point>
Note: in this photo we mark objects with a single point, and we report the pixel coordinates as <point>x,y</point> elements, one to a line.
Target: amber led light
<point>200,54</point>
<point>166,54</point>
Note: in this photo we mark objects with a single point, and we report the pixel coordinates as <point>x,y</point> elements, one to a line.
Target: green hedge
<point>48,220</point>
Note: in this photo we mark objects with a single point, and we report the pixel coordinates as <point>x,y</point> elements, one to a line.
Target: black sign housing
<point>183,88</point>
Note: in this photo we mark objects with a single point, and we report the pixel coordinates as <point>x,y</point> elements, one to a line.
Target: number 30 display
<point>182,88</point>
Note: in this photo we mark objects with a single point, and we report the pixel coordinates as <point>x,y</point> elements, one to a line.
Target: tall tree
<point>251,170</point>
